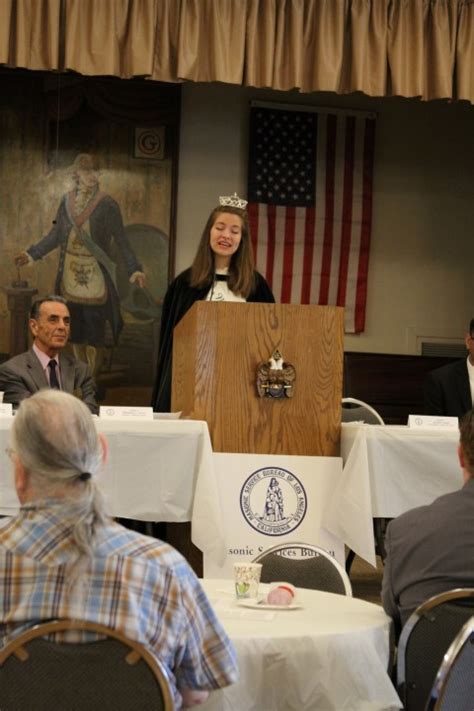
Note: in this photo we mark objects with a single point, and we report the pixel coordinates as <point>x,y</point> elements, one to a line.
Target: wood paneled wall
<point>392,384</point>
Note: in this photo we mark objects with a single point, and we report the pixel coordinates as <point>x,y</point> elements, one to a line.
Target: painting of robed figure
<point>87,223</point>
<point>105,239</point>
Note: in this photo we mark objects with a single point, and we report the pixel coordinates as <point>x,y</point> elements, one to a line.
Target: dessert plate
<point>262,605</point>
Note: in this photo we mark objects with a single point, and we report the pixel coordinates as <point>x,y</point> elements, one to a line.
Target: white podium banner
<point>270,499</point>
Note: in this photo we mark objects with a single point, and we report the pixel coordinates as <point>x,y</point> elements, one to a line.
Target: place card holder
<point>122,412</point>
<point>432,422</point>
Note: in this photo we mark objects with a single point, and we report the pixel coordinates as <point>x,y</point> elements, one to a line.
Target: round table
<point>332,653</point>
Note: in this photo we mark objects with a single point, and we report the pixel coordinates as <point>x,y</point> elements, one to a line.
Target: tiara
<point>232,201</point>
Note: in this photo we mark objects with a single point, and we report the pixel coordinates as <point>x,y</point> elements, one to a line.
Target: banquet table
<point>163,470</point>
<point>330,654</point>
<point>157,470</point>
<point>405,467</point>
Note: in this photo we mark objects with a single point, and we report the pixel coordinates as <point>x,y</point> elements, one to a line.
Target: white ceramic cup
<point>247,580</point>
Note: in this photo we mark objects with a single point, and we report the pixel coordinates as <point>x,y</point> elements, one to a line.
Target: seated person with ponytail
<point>59,555</point>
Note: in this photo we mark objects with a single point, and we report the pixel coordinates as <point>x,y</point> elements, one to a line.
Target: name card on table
<point>433,422</point>
<point>167,415</point>
<point>112,412</point>
<point>6,409</point>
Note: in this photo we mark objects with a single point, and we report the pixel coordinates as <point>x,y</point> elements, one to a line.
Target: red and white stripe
<point>320,255</point>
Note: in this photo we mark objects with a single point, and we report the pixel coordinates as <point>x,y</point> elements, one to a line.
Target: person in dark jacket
<point>223,270</point>
<point>430,549</point>
<point>448,390</point>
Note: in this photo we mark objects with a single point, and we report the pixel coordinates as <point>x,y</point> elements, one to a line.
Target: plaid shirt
<point>135,584</point>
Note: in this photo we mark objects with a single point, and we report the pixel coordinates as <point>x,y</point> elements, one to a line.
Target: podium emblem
<point>276,377</point>
<point>273,501</point>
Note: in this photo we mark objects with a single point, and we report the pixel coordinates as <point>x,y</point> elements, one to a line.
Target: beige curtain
<point>421,48</point>
<point>30,33</point>
<point>115,37</point>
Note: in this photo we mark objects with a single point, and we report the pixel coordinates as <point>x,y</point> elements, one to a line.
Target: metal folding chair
<point>41,670</point>
<point>453,689</point>
<point>424,640</point>
<point>305,566</point>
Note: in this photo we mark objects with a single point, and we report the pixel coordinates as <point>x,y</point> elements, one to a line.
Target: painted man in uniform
<point>87,223</point>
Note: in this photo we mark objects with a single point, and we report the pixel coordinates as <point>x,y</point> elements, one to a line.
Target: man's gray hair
<point>36,306</point>
<point>54,436</point>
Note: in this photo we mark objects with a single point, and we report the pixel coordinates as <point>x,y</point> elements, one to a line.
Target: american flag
<point>310,205</point>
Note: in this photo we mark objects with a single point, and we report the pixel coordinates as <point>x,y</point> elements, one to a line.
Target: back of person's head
<point>466,440</point>
<point>36,305</point>
<point>55,439</point>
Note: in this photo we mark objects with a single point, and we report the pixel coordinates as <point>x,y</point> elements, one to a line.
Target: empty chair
<point>112,673</point>
<point>305,566</point>
<point>453,689</point>
<point>424,640</point>
<point>357,411</point>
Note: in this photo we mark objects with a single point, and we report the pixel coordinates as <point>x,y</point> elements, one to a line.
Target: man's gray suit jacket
<point>430,550</point>
<point>23,375</point>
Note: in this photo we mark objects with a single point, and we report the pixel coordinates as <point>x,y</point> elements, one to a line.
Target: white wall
<point>422,251</point>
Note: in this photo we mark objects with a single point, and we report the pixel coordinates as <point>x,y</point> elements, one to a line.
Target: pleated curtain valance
<point>411,48</point>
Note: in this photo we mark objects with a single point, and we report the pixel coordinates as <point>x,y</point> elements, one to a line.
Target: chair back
<point>424,640</point>
<point>110,673</point>
<point>453,689</point>
<point>304,566</point>
<point>358,411</point>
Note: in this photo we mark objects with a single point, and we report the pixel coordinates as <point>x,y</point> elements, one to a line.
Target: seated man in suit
<point>45,365</point>
<point>449,390</point>
<point>63,557</point>
<point>430,549</point>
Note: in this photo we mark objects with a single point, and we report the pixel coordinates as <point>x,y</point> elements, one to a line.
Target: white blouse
<point>220,291</point>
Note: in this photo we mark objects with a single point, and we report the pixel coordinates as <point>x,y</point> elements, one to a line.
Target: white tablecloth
<point>160,470</point>
<point>163,470</point>
<point>331,654</point>
<point>403,467</point>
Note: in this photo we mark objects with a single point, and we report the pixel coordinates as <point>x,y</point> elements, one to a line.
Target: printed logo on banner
<point>273,501</point>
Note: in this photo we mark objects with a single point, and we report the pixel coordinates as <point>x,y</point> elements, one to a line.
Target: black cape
<point>178,300</point>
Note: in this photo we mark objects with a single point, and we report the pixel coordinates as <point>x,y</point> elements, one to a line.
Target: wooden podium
<point>217,349</point>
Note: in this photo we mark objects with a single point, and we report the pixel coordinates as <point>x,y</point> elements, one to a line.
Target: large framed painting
<point>91,195</point>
